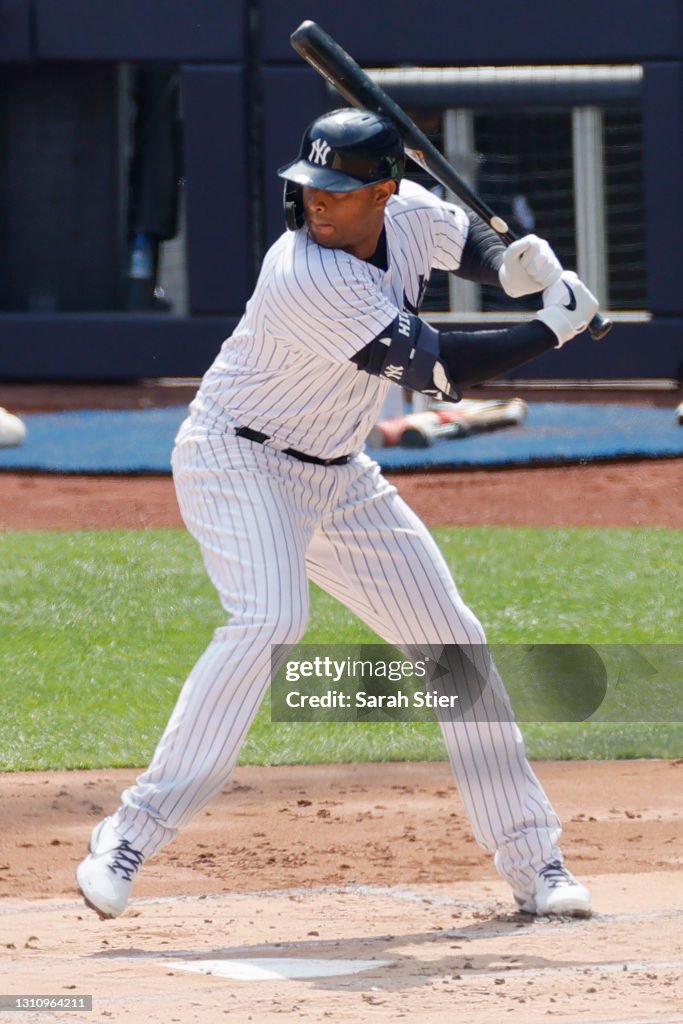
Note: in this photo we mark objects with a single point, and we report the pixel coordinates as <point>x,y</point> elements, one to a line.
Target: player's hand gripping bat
<point>349,79</point>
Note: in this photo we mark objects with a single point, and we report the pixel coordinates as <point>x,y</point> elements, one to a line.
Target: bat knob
<point>600,326</point>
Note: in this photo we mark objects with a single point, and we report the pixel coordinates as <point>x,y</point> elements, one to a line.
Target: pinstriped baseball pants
<point>266,525</point>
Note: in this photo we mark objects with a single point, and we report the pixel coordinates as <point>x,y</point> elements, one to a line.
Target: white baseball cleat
<point>106,876</point>
<point>556,891</point>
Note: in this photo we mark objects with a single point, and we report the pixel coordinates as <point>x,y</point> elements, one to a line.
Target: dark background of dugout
<point>245,98</point>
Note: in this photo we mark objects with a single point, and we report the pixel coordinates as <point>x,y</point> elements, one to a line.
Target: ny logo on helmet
<point>319,152</point>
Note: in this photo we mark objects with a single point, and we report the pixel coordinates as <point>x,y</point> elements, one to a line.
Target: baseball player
<point>273,483</point>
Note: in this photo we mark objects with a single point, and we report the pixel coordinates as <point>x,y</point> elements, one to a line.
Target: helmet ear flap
<point>294,206</point>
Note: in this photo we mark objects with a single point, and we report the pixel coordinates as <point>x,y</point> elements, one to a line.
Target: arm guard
<point>408,354</point>
<point>415,355</point>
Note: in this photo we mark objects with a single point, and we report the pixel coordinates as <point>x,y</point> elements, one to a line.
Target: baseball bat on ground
<point>388,433</point>
<point>425,437</point>
<point>340,69</point>
<point>469,416</point>
<point>475,417</point>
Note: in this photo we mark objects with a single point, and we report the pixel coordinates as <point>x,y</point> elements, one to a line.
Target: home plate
<point>277,968</point>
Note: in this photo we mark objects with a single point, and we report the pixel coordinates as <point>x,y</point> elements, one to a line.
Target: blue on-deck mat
<point>140,441</point>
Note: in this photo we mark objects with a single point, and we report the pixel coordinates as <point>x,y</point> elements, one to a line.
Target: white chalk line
<point>388,892</point>
<point>482,929</point>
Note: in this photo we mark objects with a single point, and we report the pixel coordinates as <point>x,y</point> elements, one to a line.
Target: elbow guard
<point>407,353</point>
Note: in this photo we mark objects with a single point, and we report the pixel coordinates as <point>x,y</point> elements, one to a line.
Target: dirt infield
<point>367,868</point>
<point>617,494</point>
<point>352,893</point>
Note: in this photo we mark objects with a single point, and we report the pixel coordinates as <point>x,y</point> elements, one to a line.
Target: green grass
<point>100,629</point>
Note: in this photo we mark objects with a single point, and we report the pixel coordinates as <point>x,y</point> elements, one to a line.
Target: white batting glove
<point>529,265</point>
<point>568,307</point>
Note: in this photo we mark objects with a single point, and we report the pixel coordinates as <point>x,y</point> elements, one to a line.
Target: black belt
<point>259,438</point>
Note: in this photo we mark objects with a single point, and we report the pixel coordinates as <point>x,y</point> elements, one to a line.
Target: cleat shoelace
<point>126,861</point>
<point>556,874</point>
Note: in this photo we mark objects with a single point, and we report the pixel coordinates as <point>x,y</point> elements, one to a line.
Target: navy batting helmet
<point>342,151</point>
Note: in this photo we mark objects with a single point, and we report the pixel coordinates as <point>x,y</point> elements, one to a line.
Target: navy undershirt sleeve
<point>474,356</point>
<point>482,254</point>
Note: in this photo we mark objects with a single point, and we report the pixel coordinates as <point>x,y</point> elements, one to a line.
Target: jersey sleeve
<point>445,224</point>
<point>331,304</point>
<point>451,226</point>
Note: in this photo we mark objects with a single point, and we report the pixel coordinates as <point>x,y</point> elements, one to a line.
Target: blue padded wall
<point>292,98</point>
<point>15,30</point>
<point>139,29</point>
<point>663,173</point>
<point>499,31</point>
<point>216,173</point>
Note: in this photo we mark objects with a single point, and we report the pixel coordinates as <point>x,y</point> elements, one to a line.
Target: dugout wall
<point>592,152</point>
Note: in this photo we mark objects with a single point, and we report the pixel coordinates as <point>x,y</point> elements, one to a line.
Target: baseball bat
<point>387,433</point>
<point>340,69</point>
<point>426,436</point>
<point>475,417</point>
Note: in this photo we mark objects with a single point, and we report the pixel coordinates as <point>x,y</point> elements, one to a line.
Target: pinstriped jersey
<point>286,370</point>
